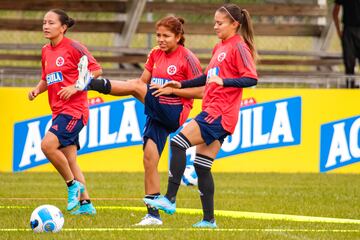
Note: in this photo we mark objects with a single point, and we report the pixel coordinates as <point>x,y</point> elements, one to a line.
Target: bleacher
<point>127,18</point>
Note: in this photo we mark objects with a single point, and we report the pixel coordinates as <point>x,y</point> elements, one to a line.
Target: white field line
<point>135,229</point>
<point>232,214</point>
<point>54,198</point>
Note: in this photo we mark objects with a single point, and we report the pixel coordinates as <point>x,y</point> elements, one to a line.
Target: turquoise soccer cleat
<point>87,209</point>
<point>162,203</point>
<point>74,195</point>
<point>205,224</point>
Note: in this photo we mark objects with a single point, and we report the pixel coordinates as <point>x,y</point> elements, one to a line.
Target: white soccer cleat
<point>84,74</point>
<point>149,220</point>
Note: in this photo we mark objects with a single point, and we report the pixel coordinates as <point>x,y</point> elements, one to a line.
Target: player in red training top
<point>60,60</point>
<point>232,67</point>
<point>166,108</point>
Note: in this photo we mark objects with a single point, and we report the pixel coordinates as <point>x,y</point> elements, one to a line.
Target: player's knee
<point>149,163</point>
<point>46,147</point>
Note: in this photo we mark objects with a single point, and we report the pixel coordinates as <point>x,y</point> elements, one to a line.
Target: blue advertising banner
<point>339,143</point>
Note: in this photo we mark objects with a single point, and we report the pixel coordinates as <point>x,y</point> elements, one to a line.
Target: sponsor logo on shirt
<point>54,77</point>
<point>171,70</point>
<point>221,56</point>
<point>160,81</point>
<point>59,61</point>
<point>213,72</point>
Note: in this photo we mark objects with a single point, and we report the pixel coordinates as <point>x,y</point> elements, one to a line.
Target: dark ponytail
<point>242,16</point>
<point>64,18</point>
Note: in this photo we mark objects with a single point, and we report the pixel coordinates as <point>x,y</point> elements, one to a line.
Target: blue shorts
<point>67,129</point>
<point>157,132</point>
<point>211,131</point>
<point>167,115</point>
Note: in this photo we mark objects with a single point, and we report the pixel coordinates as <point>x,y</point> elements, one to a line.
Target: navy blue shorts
<point>67,129</point>
<point>211,131</point>
<point>157,132</point>
<point>161,120</point>
<point>168,115</point>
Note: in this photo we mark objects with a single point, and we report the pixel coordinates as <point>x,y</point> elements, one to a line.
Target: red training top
<point>178,65</point>
<point>231,59</point>
<point>59,69</point>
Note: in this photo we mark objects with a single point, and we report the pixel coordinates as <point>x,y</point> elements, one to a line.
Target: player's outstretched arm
<point>196,92</point>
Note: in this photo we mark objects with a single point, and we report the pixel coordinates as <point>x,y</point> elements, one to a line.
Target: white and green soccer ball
<point>46,218</point>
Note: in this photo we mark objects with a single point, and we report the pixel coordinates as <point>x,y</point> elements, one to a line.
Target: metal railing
<point>28,77</point>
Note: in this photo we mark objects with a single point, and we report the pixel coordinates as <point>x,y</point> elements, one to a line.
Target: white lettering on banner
<point>259,138</point>
<point>106,138</point>
<point>340,146</point>
<point>93,127</point>
<point>83,136</point>
<point>354,136</point>
<point>281,125</point>
<point>251,124</point>
<point>32,144</point>
<point>96,134</point>
<point>246,131</point>
<point>129,124</point>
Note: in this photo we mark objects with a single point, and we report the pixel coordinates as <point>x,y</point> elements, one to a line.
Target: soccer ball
<point>46,218</point>
<point>189,178</point>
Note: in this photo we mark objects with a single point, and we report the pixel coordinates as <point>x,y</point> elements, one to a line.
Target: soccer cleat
<point>87,209</point>
<point>205,224</point>
<point>84,74</point>
<point>74,194</point>
<point>162,203</point>
<point>149,220</point>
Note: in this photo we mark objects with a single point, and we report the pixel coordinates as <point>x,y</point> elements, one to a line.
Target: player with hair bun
<point>60,59</point>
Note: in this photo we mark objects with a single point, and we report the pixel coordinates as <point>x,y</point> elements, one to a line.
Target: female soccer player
<point>167,108</point>
<point>60,60</point>
<point>231,69</point>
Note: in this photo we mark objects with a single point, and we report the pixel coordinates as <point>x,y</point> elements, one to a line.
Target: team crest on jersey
<point>171,70</point>
<point>60,61</point>
<point>221,56</point>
